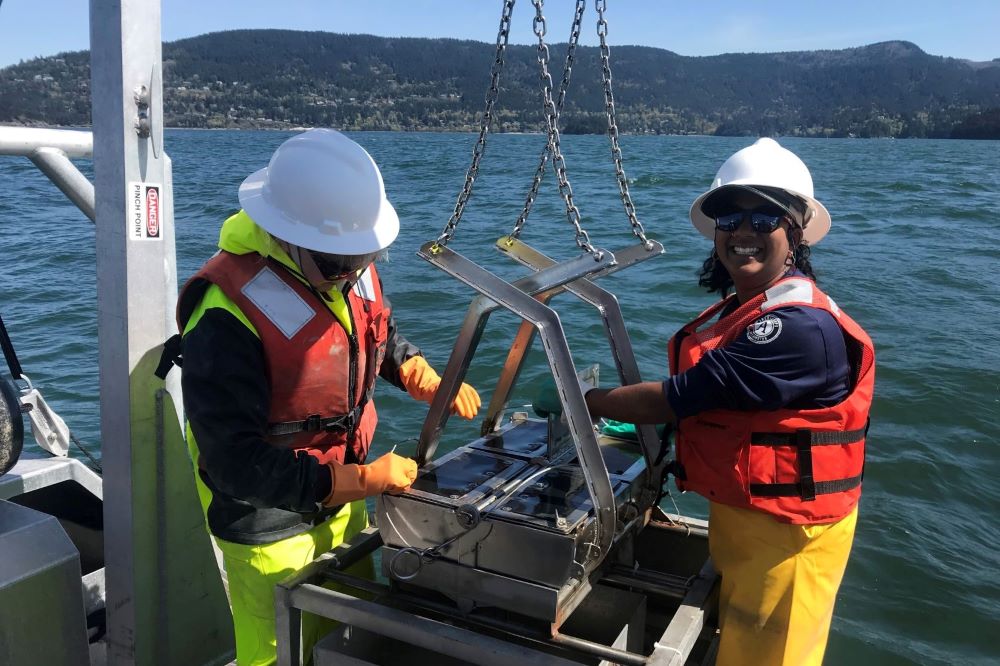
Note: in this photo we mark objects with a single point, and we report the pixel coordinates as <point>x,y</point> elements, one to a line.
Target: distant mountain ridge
<point>283,78</point>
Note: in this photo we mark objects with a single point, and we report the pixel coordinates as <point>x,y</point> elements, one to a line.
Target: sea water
<point>912,256</point>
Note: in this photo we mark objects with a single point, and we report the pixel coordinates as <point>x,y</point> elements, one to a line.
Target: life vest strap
<point>803,445</point>
<point>170,357</point>
<point>796,489</point>
<point>315,423</point>
<point>803,440</point>
<point>677,469</point>
<point>816,438</point>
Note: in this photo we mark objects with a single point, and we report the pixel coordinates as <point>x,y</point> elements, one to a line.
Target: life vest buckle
<point>807,483</point>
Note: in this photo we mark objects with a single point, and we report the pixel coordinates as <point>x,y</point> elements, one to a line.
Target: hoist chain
<point>609,107</point>
<point>477,152</point>
<point>574,38</point>
<point>552,119</point>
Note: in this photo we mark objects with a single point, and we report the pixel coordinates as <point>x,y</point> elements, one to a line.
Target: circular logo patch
<point>764,330</point>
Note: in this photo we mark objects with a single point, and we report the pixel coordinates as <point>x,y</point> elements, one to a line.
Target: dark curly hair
<point>715,278</point>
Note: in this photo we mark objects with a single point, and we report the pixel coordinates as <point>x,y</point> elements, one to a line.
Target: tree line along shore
<point>281,79</point>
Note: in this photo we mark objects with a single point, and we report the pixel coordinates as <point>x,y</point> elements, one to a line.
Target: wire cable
<point>97,465</point>
<point>8,349</point>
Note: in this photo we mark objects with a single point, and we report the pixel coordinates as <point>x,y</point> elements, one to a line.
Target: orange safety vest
<point>801,466</point>
<point>321,377</point>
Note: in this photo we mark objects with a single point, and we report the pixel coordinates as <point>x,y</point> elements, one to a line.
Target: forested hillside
<point>279,78</point>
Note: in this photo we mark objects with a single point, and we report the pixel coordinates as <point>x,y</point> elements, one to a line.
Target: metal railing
<point>51,151</point>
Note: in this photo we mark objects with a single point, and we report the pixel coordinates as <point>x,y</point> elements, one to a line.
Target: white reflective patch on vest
<point>764,330</point>
<point>279,302</point>
<point>790,291</point>
<point>834,308</point>
<point>364,287</point>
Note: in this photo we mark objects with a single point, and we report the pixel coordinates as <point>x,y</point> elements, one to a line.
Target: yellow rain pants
<point>779,585</point>
<point>253,571</point>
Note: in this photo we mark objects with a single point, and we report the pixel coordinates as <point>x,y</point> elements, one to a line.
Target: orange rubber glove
<point>388,474</point>
<point>421,382</point>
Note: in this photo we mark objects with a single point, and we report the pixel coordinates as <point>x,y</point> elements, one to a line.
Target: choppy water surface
<point>912,256</point>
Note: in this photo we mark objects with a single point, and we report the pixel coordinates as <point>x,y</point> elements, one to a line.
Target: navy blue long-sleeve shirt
<point>802,366</point>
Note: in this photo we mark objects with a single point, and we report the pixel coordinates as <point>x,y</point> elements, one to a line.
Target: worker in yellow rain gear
<point>769,396</point>
<point>284,331</point>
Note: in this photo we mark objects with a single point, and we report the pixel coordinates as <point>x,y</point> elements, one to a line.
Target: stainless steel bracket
<point>521,298</point>
<point>614,326</point>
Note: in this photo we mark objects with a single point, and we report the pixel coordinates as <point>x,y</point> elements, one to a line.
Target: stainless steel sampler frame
<point>420,527</point>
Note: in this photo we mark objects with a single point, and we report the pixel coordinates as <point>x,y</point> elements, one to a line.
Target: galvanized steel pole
<point>165,602</point>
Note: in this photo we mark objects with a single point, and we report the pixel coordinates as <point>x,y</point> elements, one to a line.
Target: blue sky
<point>959,28</point>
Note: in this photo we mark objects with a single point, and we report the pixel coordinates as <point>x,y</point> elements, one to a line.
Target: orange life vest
<point>802,466</point>
<point>321,377</point>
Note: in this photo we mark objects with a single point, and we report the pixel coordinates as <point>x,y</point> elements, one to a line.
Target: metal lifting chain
<point>552,118</point>
<point>609,107</point>
<point>477,152</point>
<point>574,38</point>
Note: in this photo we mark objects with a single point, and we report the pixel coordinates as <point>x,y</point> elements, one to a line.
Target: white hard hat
<point>766,165</point>
<point>323,192</point>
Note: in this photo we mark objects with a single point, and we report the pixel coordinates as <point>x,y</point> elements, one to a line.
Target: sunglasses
<point>761,222</point>
<point>339,266</point>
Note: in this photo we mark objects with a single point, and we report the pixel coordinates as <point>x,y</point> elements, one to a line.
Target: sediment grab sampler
<point>535,541</point>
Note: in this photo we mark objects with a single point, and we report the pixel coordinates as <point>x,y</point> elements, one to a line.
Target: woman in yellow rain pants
<point>769,393</point>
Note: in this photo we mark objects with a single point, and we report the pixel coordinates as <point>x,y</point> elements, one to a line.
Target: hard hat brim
<point>329,238</point>
<point>815,229</point>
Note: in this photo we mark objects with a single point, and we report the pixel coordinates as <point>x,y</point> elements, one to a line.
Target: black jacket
<point>260,493</point>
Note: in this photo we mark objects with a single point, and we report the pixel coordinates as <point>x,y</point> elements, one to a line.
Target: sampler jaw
<point>495,516</point>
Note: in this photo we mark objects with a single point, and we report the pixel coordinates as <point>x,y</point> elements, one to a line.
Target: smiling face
<point>754,259</point>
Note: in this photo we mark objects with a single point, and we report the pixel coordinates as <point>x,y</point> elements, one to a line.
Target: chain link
<point>552,119</point>
<point>609,107</point>
<point>477,152</point>
<point>574,37</point>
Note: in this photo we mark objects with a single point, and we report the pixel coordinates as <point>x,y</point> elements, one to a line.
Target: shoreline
<point>436,130</point>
